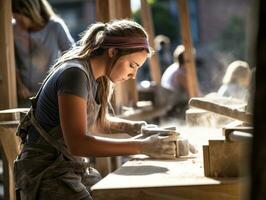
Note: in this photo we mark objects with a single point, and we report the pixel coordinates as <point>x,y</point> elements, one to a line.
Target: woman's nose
<point>133,75</point>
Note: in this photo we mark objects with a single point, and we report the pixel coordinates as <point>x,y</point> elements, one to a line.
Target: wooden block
<point>225,159</point>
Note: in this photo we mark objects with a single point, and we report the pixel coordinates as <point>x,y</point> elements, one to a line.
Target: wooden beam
<point>7,64</point>
<point>192,82</point>
<point>102,11</point>
<point>119,9</point>
<point>146,17</point>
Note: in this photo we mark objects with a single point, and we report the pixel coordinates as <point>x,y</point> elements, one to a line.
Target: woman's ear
<point>112,52</point>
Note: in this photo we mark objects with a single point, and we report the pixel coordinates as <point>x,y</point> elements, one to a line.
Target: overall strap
<point>49,139</point>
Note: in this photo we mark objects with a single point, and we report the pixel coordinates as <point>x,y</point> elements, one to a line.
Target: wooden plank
<point>221,109</point>
<point>191,75</point>
<point>146,18</point>
<point>202,118</point>
<point>7,64</point>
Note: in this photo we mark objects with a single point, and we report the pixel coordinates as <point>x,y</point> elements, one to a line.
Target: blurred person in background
<point>162,46</point>
<point>174,77</point>
<point>236,80</point>
<point>40,37</point>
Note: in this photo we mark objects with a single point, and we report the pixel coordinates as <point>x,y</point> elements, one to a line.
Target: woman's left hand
<point>134,128</point>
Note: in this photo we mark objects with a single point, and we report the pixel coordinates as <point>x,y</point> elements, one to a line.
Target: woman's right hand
<point>160,146</point>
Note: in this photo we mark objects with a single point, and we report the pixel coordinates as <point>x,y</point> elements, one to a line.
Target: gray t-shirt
<point>69,78</point>
<point>37,51</point>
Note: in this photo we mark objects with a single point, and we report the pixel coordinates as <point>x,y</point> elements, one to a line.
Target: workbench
<point>144,178</point>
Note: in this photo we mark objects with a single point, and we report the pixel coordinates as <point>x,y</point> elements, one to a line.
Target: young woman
<point>71,105</point>
<point>40,36</point>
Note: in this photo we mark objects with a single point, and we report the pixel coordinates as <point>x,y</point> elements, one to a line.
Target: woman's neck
<point>99,66</point>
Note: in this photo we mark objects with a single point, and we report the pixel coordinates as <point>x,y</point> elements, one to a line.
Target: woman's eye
<point>132,66</point>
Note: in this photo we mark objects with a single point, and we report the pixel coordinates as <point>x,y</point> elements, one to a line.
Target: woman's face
<point>126,67</point>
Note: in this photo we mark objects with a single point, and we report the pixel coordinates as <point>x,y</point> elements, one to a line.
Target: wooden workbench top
<point>183,178</point>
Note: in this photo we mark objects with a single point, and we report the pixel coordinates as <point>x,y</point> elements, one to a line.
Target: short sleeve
<point>73,81</point>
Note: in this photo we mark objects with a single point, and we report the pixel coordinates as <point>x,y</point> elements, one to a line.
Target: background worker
<point>236,80</point>
<point>40,37</point>
<point>174,80</point>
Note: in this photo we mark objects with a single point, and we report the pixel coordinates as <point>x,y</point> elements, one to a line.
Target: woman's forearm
<point>117,125</point>
<point>101,147</point>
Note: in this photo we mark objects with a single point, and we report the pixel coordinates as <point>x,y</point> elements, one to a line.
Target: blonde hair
<point>160,40</point>
<point>178,54</point>
<point>38,11</point>
<point>90,45</point>
<point>236,71</point>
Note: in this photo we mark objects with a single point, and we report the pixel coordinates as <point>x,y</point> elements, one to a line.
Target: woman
<point>236,80</point>
<point>40,36</point>
<point>72,104</point>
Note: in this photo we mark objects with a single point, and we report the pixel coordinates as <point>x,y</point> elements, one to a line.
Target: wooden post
<point>188,54</point>
<point>7,64</point>
<point>125,93</point>
<point>102,10</point>
<point>147,21</point>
